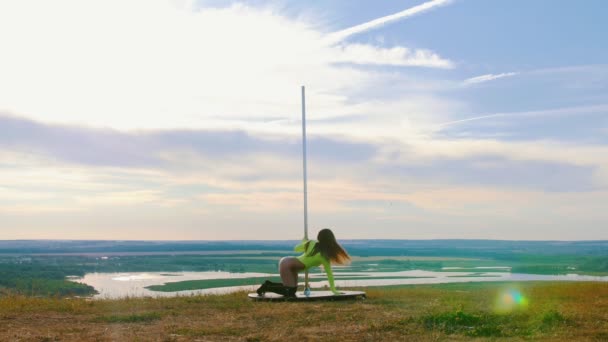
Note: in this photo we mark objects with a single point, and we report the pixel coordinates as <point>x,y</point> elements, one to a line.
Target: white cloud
<point>399,56</point>
<point>487,77</point>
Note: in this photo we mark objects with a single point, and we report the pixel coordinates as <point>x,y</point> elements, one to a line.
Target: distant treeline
<point>41,279</point>
<point>562,265</point>
<point>497,249</point>
<point>87,247</point>
<point>465,248</point>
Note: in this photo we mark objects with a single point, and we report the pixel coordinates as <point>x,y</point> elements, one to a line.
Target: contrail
<point>558,111</point>
<point>488,77</point>
<point>473,119</point>
<point>370,25</point>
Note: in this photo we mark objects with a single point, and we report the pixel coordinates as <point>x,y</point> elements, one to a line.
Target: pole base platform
<point>314,296</point>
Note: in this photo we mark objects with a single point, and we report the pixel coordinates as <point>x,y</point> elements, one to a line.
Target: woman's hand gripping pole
<point>306,285</point>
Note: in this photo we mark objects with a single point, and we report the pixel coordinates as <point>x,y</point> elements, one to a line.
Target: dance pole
<point>306,287</point>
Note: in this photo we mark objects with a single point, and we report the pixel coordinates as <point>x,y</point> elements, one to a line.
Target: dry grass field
<point>456,312</point>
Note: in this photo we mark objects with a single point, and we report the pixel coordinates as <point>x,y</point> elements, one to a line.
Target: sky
<point>181,119</point>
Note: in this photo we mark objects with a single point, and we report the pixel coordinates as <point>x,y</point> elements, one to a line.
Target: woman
<point>324,251</point>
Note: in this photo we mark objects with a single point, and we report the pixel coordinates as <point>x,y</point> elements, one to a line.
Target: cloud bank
<point>189,123</point>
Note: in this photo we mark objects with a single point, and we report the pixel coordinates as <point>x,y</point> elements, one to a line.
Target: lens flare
<point>510,300</point>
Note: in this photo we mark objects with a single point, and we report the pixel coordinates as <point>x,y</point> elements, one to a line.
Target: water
<point>120,285</point>
<point>133,284</point>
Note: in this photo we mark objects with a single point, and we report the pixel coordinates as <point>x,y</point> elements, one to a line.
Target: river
<point>121,285</point>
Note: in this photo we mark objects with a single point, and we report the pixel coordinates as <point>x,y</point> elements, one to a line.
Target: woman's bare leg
<point>289,268</point>
<point>295,278</point>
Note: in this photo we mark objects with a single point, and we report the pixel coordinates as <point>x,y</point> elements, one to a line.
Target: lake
<point>133,284</point>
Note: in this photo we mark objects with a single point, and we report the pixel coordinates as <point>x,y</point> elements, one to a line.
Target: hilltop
<point>554,312</point>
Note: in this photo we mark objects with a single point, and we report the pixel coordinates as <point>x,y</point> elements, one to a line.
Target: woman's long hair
<point>329,248</point>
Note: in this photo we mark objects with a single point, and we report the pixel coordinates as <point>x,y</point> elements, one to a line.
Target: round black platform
<point>314,296</point>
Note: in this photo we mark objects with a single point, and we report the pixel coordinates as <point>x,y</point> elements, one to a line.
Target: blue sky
<point>181,119</point>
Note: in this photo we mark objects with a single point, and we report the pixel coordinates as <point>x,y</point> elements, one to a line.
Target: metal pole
<point>306,286</point>
<point>304,164</point>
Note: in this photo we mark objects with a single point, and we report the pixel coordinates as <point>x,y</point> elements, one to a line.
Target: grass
<point>145,317</point>
<point>555,311</point>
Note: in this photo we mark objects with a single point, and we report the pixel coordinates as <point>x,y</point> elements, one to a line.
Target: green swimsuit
<point>315,260</point>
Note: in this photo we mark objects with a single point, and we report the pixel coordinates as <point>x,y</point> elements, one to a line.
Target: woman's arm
<point>330,277</point>
<point>301,247</point>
